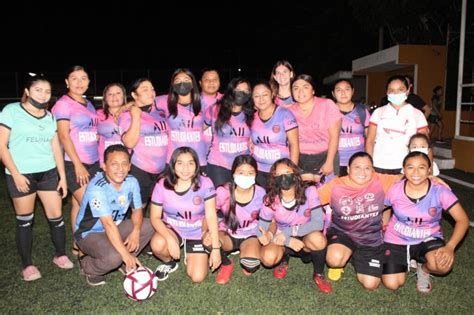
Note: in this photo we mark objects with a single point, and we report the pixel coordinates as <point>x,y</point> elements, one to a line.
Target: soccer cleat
<point>335,274</point>
<point>224,274</point>
<point>95,280</point>
<point>322,283</point>
<point>423,281</point>
<point>31,273</point>
<point>165,269</point>
<point>280,271</point>
<point>63,262</point>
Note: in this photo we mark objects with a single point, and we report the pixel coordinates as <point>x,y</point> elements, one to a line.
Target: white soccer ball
<point>140,284</point>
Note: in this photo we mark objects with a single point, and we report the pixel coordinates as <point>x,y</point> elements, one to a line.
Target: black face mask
<point>37,104</point>
<point>240,97</point>
<point>183,88</point>
<point>146,108</point>
<point>286,181</point>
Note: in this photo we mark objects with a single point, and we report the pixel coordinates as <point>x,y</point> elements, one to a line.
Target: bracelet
<point>216,248</point>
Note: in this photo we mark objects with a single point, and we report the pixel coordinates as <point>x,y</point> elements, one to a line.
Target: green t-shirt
<point>30,139</point>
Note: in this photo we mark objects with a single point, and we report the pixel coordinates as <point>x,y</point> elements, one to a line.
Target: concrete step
<point>444,163</point>
<point>442,152</point>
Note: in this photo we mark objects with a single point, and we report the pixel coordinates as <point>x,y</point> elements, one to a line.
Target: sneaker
<point>63,262</point>
<point>413,264</point>
<point>423,282</point>
<point>335,274</point>
<point>280,271</point>
<point>236,252</point>
<point>94,280</point>
<point>165,269</point>
<point>31,273</point>
<point>322,283</point>
<point>224,274</point>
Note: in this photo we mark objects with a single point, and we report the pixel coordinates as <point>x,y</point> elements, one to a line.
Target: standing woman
<point>34,166</point>
<point>240,201</point>
<point>108,129</point>
<point>391,127</point>
<point>185,116</point>
<point>319,122</point>
<point>414,230</point>
<point>77,131</point>
<point>274,132</point>
<point>280,80</point>
<point>230,120</point>
<point>183,203</point>
<point>299,219</point>
<point>146,133</point>
<point>355,120</point>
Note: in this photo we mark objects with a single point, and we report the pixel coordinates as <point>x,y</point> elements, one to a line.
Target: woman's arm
<point>293,142</point>
<point>132,135</point>
<point>59,159</point>
<point>211,219</point>
<point>370,140</point>
<point>334,131</point>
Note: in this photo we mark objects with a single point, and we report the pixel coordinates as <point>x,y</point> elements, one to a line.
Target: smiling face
<point>144,94</point>
<point>283,75</point>
<point>416,170</point>
<point>302,91</point>
<point>78,82</point>
<point>262,97</point>
<point>116,167</point>
<point>114,97</point>
<point>210,82</point>
<point>361,170</point>
<point>40,91</point>
<point>185,166</point>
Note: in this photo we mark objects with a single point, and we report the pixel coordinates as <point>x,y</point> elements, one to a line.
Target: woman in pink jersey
<point>185,115</point>
<point>114,98</point>
<point>280,80</point>
<point>355,122</point>
<point>77,129</point>
<point>183,211</point>
<point>391,127</point>
<point>414,230</point>
<point>240,202</point>
<point>146,133</point>
<point>230,120</point>
<point>319,122</point>
<point>274,132</point>
<point>299,219</point>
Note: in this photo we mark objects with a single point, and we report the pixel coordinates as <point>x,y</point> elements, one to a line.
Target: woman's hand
<point>82,175</point>
<point>62,187</point>
<point>22,183</point>
<point>215,258</point>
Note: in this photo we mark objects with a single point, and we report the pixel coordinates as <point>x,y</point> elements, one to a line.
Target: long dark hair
<point>173,96</point>
<point>273,83</point>
<point>231,219</point>
<point>227,102</point>
<point>105,106</point>
<point>273,190</point>
<point>32,80</point>
<point>170,175</point>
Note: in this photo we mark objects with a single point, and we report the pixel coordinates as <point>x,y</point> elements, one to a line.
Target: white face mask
<point>397,99</point>
<point>244,182</point>
<point>422,150</point>
<point>288,205</point>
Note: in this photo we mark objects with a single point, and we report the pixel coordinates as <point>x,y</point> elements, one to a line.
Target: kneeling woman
<point>185,199</point>
<point>414,230</point>
<point>240,201</point>
<point>299,219</point>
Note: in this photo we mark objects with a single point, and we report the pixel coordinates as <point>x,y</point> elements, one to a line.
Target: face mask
<point>240,97</point>
<point>244,182</point>
<point>37,104</point>
<point>422,150</point>
<point>285,181</point>
<point>288,205</point>
<point>397,99</point>
<point>146,108</point>
<point>183,88</point>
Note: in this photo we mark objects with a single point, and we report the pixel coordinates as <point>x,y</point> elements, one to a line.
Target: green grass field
<point>65,292</point>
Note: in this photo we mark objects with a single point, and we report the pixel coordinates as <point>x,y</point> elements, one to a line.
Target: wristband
<point>216,248</point>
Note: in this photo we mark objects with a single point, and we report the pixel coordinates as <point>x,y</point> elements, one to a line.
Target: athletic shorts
<point>190,246</point>
<point>311,163</point>
<point>42,181</point>
<point>147,182</point>
<point>397,257</point>
<point>218,174</point>
<point>237,242</point>
<point>72,183</point>
<point>367,260</point>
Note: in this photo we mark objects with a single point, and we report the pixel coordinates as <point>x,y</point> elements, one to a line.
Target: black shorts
<point>311,163</point>
<point>190,246</point>
<point>367,260</point>
<point>395,171</point>
<point>236,242</point>
<point>218,174</point>
<point>72,184</point>
<point>147,182</point>
<point>397,257</point>
<point>42,181</point>
<point>262,179</point>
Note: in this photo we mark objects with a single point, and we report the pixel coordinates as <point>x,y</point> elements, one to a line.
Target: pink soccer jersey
<point>184,212</point>
<point>230,141</point>
<point>247,215</point>
<point>414,221</point>
<point>287,218</point>
<point>82,127</point>
<point>109,133</point>
<point>269,137</point>
<point>352,135</point>
<point>284,102</point>
<point>150,152</point>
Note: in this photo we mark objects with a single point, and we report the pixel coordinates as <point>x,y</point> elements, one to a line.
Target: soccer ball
<point>140,284</point>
